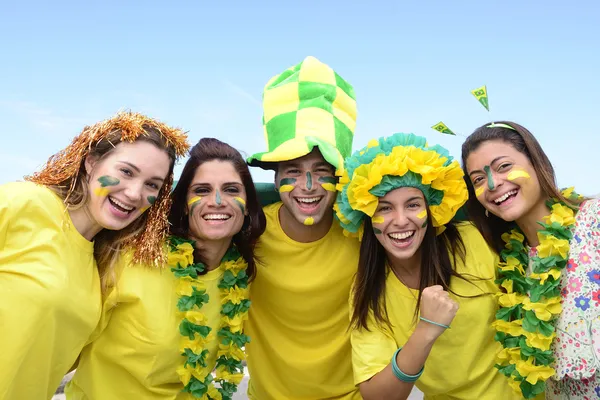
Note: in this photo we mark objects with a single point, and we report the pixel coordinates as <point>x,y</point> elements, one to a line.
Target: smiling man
<point>300,344</point>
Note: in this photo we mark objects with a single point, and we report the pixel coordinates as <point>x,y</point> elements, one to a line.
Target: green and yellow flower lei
<point>531,304</point>
<point>195,374</point>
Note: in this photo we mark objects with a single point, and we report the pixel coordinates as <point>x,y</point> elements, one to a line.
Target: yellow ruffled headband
<point>400,160</point>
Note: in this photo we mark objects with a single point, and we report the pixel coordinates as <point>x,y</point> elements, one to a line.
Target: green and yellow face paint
<point>218,199</point>
<point>377,220</point>
<point>309,181</point>
<point>328,183</point>
<point>151,201</point>
<point>193,202</point>
<point>106,181</point>
<point>309,221</point>
<point>241,204</point>
<point>287,185</point>
<point>490,178</point>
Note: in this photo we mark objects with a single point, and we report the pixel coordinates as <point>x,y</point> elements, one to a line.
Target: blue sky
<point>202,66</point>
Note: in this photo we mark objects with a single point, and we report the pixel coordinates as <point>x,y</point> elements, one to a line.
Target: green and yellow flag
<point>442,128</point>
<point>481,95</point>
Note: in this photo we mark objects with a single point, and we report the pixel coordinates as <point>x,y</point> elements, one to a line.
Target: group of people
<point>378,269</point>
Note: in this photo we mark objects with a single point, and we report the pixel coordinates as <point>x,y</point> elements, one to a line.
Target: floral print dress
<point>577,343</point>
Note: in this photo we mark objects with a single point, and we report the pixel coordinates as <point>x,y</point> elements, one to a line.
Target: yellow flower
<point>510,299</point>
<point>514,234</point>
<point>533,373</point>
<point>568,192</point>
<point>509,355</point>
<point>223,373</point>
<point>561,214</point>
<point>185,374</point>
<point>236,323</point>
<point>196,317</point>
<point>235,266</point>
<point>539,341</point>
<point>551,246</point>
<point>543,277</point>
<point>513,328</point>
<point>511,264</point>
<point>197,344</point>
<point>231,350</point>
<point>182,256</point>
<point>544,309</point>
<point>213,393</point>
<point>186,285</point>
<point>508,285</point>
<point>235,295</point>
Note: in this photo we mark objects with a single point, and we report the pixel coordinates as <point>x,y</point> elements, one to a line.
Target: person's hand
<point>437,306</point>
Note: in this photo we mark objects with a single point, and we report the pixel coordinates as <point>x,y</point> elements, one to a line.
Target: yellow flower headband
<point>400,160</point>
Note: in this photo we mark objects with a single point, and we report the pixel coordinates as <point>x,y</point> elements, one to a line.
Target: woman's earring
<point>487,214</point>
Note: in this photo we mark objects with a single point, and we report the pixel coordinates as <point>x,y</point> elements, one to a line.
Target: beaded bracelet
<point>435,323</point>
<point>401,375</point>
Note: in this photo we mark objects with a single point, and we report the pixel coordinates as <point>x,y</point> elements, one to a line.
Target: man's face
<point>307,187</point>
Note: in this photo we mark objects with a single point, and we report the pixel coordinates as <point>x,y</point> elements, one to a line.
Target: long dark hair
<point>439,254</point>
<point>209,149</point>
<point>492,227</point>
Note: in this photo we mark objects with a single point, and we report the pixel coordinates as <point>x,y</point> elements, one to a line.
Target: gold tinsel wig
<point>67,164</point>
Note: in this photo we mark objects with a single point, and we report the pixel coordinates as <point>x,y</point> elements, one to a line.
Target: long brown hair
<point>524,142</point>
<point>109,243</point>
<point>439,255</point>
<point>209,149</point>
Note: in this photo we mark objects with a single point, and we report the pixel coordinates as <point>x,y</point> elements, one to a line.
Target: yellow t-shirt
<point>136,354</point>
<point>50,298</point>
<point>298,322</point>
<point>461,362</point>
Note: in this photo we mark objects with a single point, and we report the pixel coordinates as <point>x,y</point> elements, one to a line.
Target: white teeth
<point>123,206</point>
<point>401,235</point>
<point>308,199</point>
<point>504,196</point>
<point>216,217</point>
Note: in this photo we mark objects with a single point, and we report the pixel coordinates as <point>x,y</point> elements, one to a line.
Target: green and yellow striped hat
<point>307,105</point>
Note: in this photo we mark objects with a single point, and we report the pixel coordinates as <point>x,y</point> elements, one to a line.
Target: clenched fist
<point>437,306</point>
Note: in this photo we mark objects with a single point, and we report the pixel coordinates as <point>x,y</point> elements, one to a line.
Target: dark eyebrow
<point>208,184</point>
<point>134,167</point>
<point>413,199</point>
<point>495,160</point>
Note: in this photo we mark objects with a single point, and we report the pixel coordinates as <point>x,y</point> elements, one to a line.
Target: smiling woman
<point>418,273</point>
<point>60,235</point>
<point>550,263</point>
<point>184,320</point>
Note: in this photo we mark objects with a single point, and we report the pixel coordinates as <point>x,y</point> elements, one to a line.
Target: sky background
<point>202,66</point>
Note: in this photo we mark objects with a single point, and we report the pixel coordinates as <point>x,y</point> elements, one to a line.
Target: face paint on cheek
<point>241,204</point>
<point>421,215</point>
<point>377,220</point>
<point>309,221</point>
<point>328,183</point>
<point>308,181</point>
<point>151,200</point>
<point>105,181</point>
<point>287,185</point>
<point>490,179</point>
<point>479,191</point>
<point>194,201</point>
<point>516,174</point>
